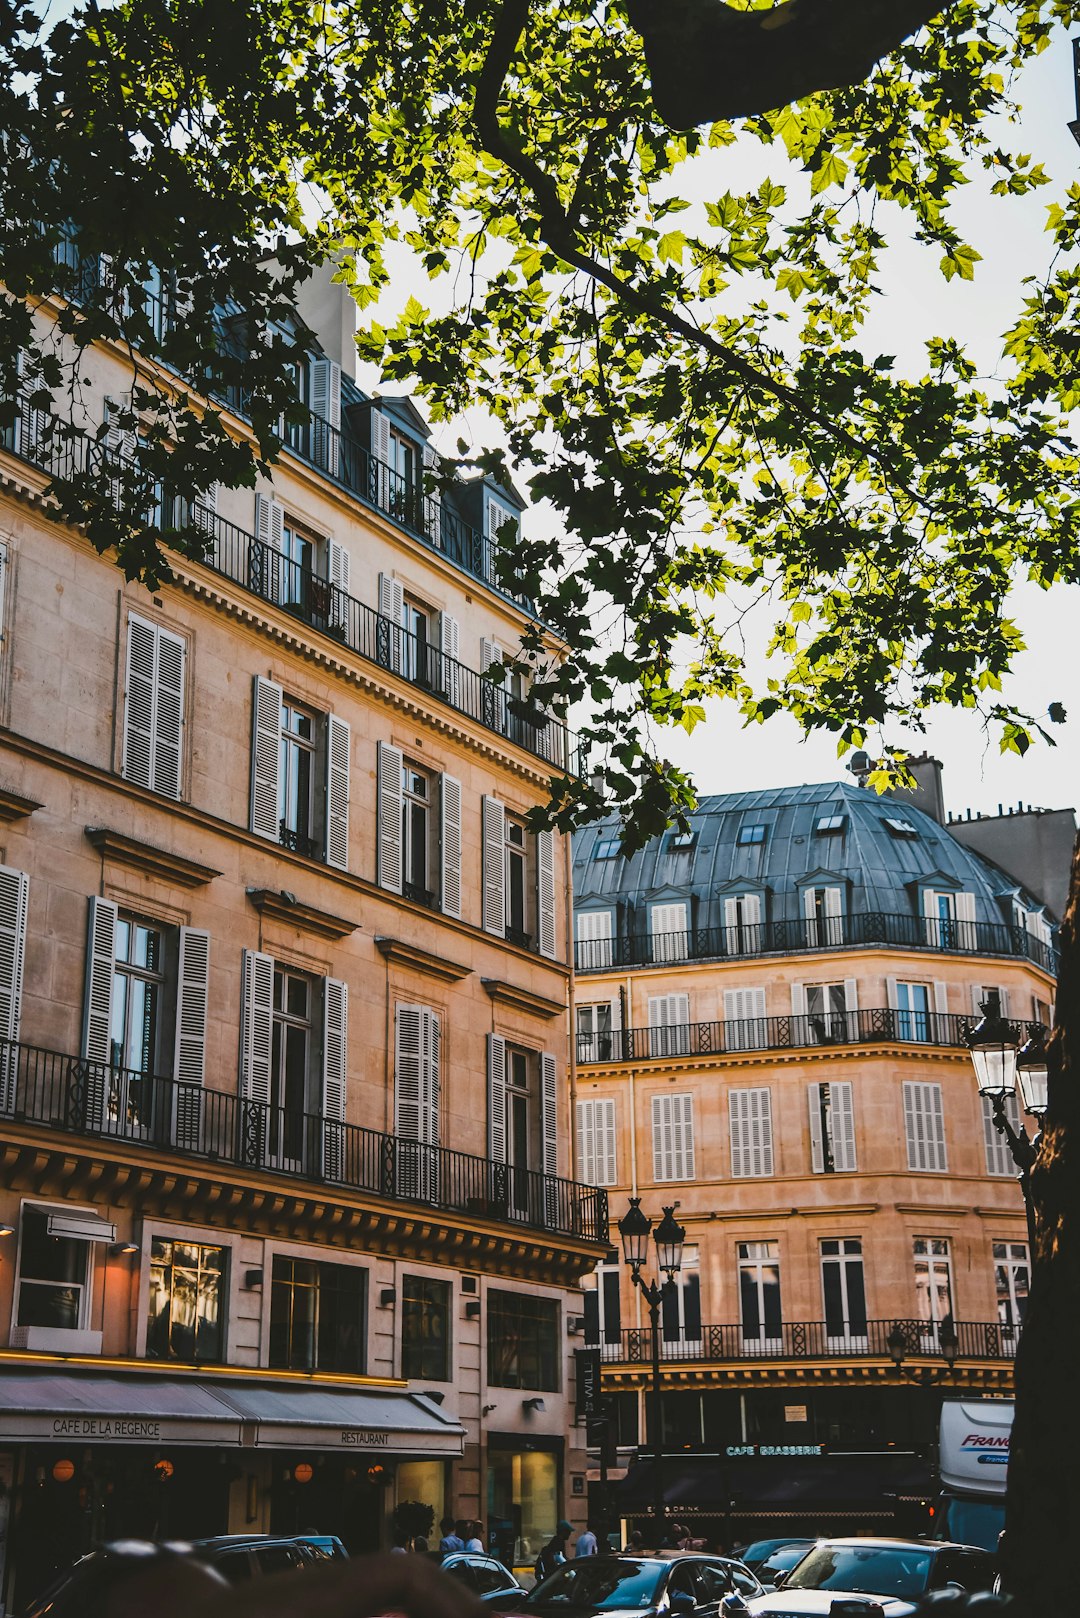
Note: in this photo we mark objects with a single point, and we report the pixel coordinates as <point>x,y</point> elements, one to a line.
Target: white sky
<point>721,755</point>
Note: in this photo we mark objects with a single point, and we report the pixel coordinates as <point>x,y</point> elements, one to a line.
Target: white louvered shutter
<point>549,1113</point>
<point>751,908</point>
<point>851,994</point>
<point>817,1131</point>
<point>585,1167</point>
<point>380,449</point>
<point>14,899</point>
<point>545,892</point>
<point>338,570</point>
<point>256,1051</point>
<point>492,695</point>
<point>119,441</point>
<point>326,405</point>
<point>5,563</point>
<point>407,1085</point>
<point>669,1024</point>
<point>834,910</point>
<point>966,931</point>
<point>337,792</point>
<point>450,845</point>
<point>673,1137</point>
<point>334,1075</point>
<point>391,638</point>
<point>731,920</point>
<point>798,999</point>
<point>205,510</point>
<point>189,1044</point>
<point>432,499</point>
<point>751,1132</point>
<point>843,1122</point>
<point>140,693</point>
<point>496,1072</point>
<point>388,871</point>
<point>494,866</point>
<point>941,999</point>
<point>924,1125</point>
<point>595,944</point>
<point>266,758</point>
<point>999,1159</point>
<point>809,899</point>
<point>269,522</point>
<point>168,713</point>
<point>744,1019</point>
<point>450,648</point>
<point>596,1141</point>
<point>97,1006</point>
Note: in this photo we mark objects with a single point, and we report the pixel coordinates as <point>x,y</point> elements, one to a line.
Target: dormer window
<point>750,834</point>
<point>607,848</point>
<point>900,828</point>
<point>827,824</point>
<point>679,840</point>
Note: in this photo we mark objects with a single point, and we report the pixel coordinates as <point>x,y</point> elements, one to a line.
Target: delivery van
<point>973,1463</point>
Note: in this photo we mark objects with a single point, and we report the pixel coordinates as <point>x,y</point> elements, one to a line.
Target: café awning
<point>91,1407</point>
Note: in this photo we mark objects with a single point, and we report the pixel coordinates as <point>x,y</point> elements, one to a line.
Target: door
<point>844,1291</point>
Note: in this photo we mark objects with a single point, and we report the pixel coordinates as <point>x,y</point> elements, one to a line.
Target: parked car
<point>764,1550</point>
<point>778,1564</point>
<point>686,1586</point>
<point>252,1556</point>
<point>87,1585</point>
<point>486,1577</point>
<point>895,1573</point>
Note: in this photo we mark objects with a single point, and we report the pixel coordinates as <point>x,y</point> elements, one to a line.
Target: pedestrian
<point>401,1544</point>
<point>554,1552</point>
<point>420,1546</point>
<point>450,1541</point>
<point>474,1542</point>
<point>587,1543</point>
<point>635,1544</point>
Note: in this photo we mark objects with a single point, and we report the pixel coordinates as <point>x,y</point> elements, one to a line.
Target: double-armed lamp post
<point>635,1228</point>
<point>1002,1064</point>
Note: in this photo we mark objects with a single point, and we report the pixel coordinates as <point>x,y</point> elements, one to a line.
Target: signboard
<point>587,1361</point>
<point>735,1451</point>
<point>32,1426</point>
<point>795,1413</point>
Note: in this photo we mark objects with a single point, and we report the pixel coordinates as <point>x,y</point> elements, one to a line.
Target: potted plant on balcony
<point>529,712</point>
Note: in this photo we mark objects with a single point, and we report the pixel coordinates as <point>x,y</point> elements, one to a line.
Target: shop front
<point>524,1488</point>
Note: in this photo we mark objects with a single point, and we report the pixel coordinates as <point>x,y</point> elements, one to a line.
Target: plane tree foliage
<point>654,232</point>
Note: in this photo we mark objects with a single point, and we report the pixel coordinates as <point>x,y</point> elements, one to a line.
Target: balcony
<point>62,452</point>
<point>809,1340</point>
<point>103,1102</point>
<point>876,1025</point>
<point>868,929</point>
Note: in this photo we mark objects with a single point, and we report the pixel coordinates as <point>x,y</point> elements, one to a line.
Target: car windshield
<point>784,1558</point>
<point>879,1570</point>
<point>593,1582</point>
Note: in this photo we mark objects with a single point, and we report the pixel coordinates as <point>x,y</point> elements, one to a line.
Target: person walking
<point>554,1552</point>
<point>587,1543</point>
<point>474,1541</point>
<point>451,1541</point>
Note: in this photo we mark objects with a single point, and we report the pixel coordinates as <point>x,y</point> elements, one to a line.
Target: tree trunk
<point>1043,1509</point>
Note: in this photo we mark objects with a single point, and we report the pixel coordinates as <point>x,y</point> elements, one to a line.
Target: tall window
<point>417,835</point>
<point>299,776</point>
<point>999,1159</point>
<point>759,1291</point>
<point>843,1289</point>
<point>136,1015</point>
<point>1011,1278</point>
<point>832,1127</point>
<point>522,1341</point>
<point>924,1125</point>
<point>595,944</point>
<point>824,922</point>
<point>669,1024</point>
<point>296,777</point>
<point>681,1306</point>
<point>603,1306</point>
<point>419,641</point>
<point>289,1067</point>
<point>826,1012</point>
<point>522,1123</point>
<point>297,566</point>
<point>54,1276</point>
<point>933,1279</point>
<point>517,885</point>
<point>403,477</point>
<point>154,707</point>
<point>595,1031</point>
<point>668,925</point>
<point>186,1312</point>
<point>743,934</point>
<point>913,1011</point>
<point>317,1316</point>
<point>425,1328</point>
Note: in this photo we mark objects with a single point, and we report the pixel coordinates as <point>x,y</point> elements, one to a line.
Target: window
<point>826,1012</point>
<point>680,1319</point>
<point>678,842</point>
<point>750,834</point>
<point>912,1001</point>
<point>299,776</point>
<point>745,1028</point>
<point>317,1316</point>
<point>154,707</point>
<point>924,1127</point>
<point>404,477</point>
<point>844,1289</point>
<point>596,1031</point>
<point>602,1306</point>
<point>54,1276</point>
<point>137,1003</point>
<point>832,1127</point>
<point>418,847</point>
<point>751,1132</point>
<point>607,848</point>
<point>668,932</point>
<point>425,1328</point>
<point>823,910</point>
<point>417,1079</point>
<point>298,553</point>
<point>518,880</point>
<point>759,1291</point>
<point>595,944</point>
<point>187,1306</point>
<point>999,1159</point>
<point>673,1137</point>
<point>669,1024</point>
<point>933,1279</point>
<point>1011,1279</point>
<point>827,824</point>
<point>14,898</point>
<point>289,1065</point>
<point>899,828</point>
<point>1042,1012</point>
<point>949,919</point>
<point>418,622</point>
<point>596,1141</point>
<point>523,1117</point>
<point>517,885</point>
<point>743,932</point>
<point>522,1341</point>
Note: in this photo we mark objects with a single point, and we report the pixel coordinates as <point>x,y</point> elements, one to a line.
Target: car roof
<point>905,1544</point>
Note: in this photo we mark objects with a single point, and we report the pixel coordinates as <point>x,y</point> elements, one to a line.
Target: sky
<point>724,756</point>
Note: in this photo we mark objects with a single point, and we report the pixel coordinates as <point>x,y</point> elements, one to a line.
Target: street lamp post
<point>635,1228</point>
<point>1000,1064</point>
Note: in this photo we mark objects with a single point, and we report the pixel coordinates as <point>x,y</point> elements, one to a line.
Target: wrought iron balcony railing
<point>874,1025</point>
<point>808,1340</point>
<point>75,1096</point>
<point>863,930</point>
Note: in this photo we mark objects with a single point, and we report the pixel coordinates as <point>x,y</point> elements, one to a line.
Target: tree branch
<point>707,61</point>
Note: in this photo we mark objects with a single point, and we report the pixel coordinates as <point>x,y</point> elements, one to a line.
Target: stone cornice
<point>422,960</point>
<point>281,906</point>
<point>13,806</point>
<point>173,868</point>
<point>522,999</point>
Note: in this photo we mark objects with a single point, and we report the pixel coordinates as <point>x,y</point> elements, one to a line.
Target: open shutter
<point>941,1005</point>
<point>168,713</point>
<point>388,870</point>
<point>432,499</point>
<point>761,1150</point>
<point>843,1123</point>
<point>269,522</point>
<point>391,639</point>
<point>966,930</point>
<point>851,994</point>
<point>205,509</point>
<point>731,919</point>
<point>338,570</point>
<point>606,1171</point>
<point>492,695</point>
<point>662,1137</point>
<point>326,407</point>
<point>496,1071</point>
<point>380,450</point>
<point>335,1064</point>
<point>683,1118</point>
<point>494,863</point>
<point>189,1044</point>
<point>549,1135</point>
<point>138,759</point>
<point>337,792</point>
<point>751,910</point>
<point>14,897</point>
<point>587,1156</point>
<point>450,845</point>
<point>119,441</point>
<point>798,999</point>
<point>266,758</point>
<point>97,1006</point>
<point>407,1099</point>
<point>817,1132</point>
<point>449,647</point>
<point>545,892</point>
<point>256,1051</point>
<point>5,563</point>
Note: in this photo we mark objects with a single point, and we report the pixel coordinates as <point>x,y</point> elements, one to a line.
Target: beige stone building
<point>290,1233</point>
<point>770,1012</point>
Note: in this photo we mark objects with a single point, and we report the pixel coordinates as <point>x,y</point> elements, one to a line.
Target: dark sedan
<point>488,1579</point>
<point>685,1587</point>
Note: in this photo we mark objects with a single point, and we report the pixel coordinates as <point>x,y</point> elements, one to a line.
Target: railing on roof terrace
<point>97,1099</point>
<point>874,1025</point>
<point>62,451</point>
<point>860,931</point>
<point>809,1339</point>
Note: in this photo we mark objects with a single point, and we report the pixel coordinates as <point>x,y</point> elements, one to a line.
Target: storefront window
<point>425,1328</point>
<point>52,1276</point>
<point>522,1500</point>
<point>187,1301</point>
<point>317,1316</point>
<point>424,1481</point>
<point>523,1341</point>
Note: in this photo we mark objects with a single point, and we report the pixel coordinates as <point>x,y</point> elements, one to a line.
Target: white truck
<point>973,1461</point>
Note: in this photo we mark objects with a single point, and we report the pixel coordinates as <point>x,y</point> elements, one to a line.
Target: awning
<point>44,1405</point>
<point>862,1485</point>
